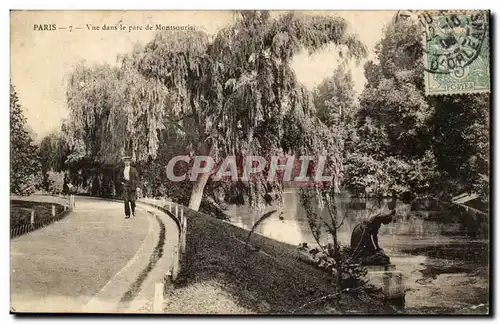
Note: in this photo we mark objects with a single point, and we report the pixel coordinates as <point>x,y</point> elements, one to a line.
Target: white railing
<point>176,212</point>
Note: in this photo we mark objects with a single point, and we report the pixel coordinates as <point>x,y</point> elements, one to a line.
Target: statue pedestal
<point>391,282</point>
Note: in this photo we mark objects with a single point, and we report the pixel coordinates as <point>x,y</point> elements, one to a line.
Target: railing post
<point>32,218</point>
<point>175,264</point>
<point>170,206</point>
<point>177,211</point>
<point>183,236</point>
<point>158,298</point>
<point>53,210</point>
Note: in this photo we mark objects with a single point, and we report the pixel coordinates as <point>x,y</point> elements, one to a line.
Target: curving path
<point>86,261</point>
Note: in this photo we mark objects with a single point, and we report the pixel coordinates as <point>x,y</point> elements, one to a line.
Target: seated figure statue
<point>364,240</point>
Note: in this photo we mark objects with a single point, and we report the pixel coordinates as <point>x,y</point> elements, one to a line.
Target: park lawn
<point>219,269</point>
<point>20,212</point>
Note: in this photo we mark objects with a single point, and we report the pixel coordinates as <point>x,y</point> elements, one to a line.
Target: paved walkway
<point>87,261</point>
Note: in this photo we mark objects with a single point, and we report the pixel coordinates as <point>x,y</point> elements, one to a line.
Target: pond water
<point>442,251</point>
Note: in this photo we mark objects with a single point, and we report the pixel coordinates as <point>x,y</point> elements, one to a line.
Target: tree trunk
<point>338,262</point>
<point>332,208</point>
<point>201,182</point>
<point>197,193</point>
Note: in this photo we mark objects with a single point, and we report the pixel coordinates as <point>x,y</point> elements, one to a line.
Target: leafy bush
<point>352,275</point>
<point>389,176</point>
<point>55,182</point>
<point>27,184</point>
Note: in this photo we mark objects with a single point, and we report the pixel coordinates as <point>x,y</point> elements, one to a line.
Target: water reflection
<point>412,221</point>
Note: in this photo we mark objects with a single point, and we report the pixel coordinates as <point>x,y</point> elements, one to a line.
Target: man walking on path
<point>129,178</point>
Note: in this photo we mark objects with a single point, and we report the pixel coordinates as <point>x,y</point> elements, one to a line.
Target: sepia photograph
<point>250,162</point>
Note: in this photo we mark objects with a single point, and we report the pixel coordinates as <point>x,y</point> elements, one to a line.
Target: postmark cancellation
<point>456,52</point>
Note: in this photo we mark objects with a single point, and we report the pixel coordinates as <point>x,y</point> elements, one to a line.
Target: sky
<point>41,60</point>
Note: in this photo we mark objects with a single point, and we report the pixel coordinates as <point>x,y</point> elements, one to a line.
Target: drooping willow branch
<point>257,223</point>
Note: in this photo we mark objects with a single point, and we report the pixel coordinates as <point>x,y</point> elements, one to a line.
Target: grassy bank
<point>222,275</point>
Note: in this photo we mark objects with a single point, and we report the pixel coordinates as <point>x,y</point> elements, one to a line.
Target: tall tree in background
<point>53,154</point>
<point>237,93</point>
<point>337,108</point>
<point>461,136</point>
<point>393,153</point>
<point>112,112</point>
<point>90,95</point>
<point>410,142</point>
<point>25,170</point>
<point>334,97</point>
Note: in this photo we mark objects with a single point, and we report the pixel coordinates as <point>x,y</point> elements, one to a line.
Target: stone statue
<point>364,240</point>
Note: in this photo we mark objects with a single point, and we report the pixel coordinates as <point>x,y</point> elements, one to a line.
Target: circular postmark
<point>452,39</point>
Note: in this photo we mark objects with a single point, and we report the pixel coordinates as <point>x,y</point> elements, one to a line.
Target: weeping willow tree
<point>236,93</point>
<point>233,93</point>
<point>114,110</point>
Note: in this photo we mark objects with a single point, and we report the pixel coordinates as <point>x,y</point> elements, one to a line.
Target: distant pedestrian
<point>66,184</point>
<point>129,178</point>
<point>68,188</point>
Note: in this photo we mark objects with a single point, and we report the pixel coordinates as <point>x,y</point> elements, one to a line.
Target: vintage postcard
<point>250,162</point>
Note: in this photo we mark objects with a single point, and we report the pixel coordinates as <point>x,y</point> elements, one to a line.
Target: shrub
<point>352,274</point>
<point>55,182</point>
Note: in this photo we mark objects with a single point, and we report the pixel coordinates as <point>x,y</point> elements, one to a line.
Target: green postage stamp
<point>456,52</point>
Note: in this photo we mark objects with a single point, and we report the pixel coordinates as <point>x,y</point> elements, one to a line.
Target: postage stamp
<point>456,52</point>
